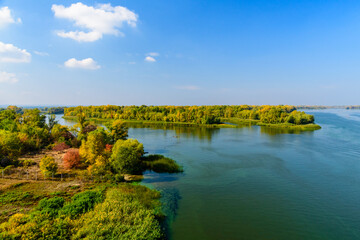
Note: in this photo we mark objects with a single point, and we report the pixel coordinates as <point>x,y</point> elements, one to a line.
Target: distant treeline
<point>328,107</point>
<point>45,110</point>
<point>195,114</point>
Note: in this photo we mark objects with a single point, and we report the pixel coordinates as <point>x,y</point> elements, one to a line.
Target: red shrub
<point>60,147</point>
<point>108,147</point>
<point>71,159</point>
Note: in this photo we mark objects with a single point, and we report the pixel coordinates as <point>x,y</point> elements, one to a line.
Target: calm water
<point>254,183</point>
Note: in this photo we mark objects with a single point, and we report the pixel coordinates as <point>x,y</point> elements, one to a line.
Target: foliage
<point>48,166</point>
<point>82,203</point>
<point>51,122</point>
<point>118,130</point>
<point>160,164</point>
<point>71,159</point>
<point>128,212</point>
<point>94,146</point>
<point>192,114</point>
<point>126,155</point>
<point>51,206</point>
<point>123,215</point>
<point>60,146</point>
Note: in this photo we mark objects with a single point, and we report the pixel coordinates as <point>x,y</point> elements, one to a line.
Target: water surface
<point>261,183</point>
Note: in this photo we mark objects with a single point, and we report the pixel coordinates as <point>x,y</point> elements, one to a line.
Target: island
<point>281,116</point>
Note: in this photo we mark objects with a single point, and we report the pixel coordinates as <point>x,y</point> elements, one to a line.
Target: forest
<point>201,115</point>
<point>102,163</point>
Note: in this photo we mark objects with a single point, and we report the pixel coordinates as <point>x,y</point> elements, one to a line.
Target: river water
<point>260,183</point>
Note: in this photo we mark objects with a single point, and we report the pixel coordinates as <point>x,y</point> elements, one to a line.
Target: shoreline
<point>227,123</point>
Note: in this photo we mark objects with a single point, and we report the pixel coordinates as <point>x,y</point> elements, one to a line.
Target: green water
<point>257,183</point>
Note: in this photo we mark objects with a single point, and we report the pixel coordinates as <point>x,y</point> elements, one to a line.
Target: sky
<point>179,52</point>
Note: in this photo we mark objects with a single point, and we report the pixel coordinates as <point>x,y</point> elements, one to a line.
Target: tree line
<point>195,114</point>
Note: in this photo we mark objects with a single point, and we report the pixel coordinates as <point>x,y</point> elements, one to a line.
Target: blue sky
<point>179,52</point>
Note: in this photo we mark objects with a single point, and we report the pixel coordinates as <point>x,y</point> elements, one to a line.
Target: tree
<point>94,145</point>
<point>51,122</point>
<point>118,130</point>
<point>71,159</point>
<point>126,156</point>
<point>48,166</point>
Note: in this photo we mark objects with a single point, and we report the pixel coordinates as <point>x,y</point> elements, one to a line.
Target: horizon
<point>179,53</point>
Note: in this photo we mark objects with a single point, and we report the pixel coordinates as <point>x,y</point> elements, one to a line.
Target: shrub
<point>121,216</point>
<point>60,146</point>
<point>126,155</point>
<point>71,159</point>
<point>51,206</point>
<point>48,166</point>
<point>82,203</point>
<point>27,163</point>
<point>160,164</point>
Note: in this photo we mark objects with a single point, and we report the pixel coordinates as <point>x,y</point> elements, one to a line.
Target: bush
<point>48,166</point>
<point>82,203</point>
<point>27,163</point>
<point>160,164</point>
<point>121,216</point>
<point>60,146</point>
<point>126,155</point>
<point>71,159</point>
<point>51,206</point>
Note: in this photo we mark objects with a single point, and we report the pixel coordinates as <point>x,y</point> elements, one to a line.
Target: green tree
<point>118,130</point>
<point>94,145</point>
<point>126,156</point>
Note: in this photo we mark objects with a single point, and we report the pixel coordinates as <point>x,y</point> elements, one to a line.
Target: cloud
<point>189,87</point>
<point>11,54</point>
<point>87,63</point>
<point>6,17</point>
<point>150,59</point>
<point>8,77</point>
<point>132,62</point>
<point>44,54</point>
<point>153,54</point>
<point>99,20</point>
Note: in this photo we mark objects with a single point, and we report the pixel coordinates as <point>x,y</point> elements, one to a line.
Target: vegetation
<point>71,159</point>
<point>105,155</point>
<point>48,166</point>
<point>160,164</point>
<point>200,115</point>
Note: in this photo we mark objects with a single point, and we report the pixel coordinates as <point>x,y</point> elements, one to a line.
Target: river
<point>259,183</point>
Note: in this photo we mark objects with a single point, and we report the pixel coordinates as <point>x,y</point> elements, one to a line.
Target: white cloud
<point>189,87</point>
<point>8,77</point>
<point>99,20</point>
<point>87,63</point>
<point>11,54</point>
<point>132,62</point>
<point>44,54</point>
<point>153,54</point>
<point>6,17</point>
<point>150,59</point>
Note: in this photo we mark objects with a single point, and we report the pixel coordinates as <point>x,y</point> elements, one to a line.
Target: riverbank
<point>100,120</point>
<point>226,123</point>
<point>305,127</point>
